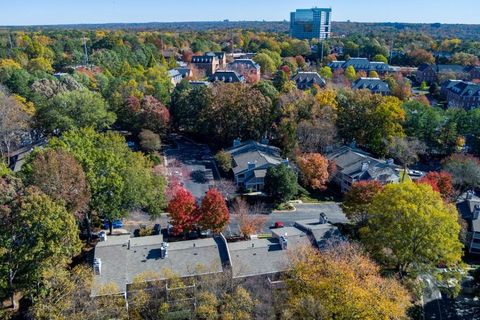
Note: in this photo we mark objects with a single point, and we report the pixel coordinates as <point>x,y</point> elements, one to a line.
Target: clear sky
<point>29,12</point>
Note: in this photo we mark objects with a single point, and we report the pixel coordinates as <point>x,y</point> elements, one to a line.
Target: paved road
<point>303,212</point>
<point>192,165</point>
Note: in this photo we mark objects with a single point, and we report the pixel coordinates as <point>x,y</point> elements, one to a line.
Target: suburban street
<point>303,212</point>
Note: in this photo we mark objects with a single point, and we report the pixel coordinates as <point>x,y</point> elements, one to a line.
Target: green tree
<point>224,160</point>
<point>75,109</point>
<point>410,227</point>
<point>266,63</point>
<point>35,233</point>
<point>149,141</point>
<point>465,171</point>
<point>119,179</point>
<point>380,58</point>
<point>281,183</point>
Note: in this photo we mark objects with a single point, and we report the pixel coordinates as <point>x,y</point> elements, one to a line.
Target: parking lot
<point>191,165</point>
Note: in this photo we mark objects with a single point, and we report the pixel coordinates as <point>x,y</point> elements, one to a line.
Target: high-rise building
<point>310,24</point>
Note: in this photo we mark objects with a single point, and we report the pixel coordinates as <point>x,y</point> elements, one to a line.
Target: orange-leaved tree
<point>315,170</point>
<point>184,214</point>
<point>214,213</point>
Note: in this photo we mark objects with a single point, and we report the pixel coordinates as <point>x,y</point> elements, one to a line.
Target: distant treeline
<point>434,30</point>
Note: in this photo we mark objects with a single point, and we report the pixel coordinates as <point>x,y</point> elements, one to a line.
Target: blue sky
<point>28,12</point>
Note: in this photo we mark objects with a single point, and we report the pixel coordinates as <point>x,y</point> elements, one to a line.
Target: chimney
<point>283,242</point>
<point>97,266</point>
<point>389,162</point>
<point>323,218</point>
<point>364,166</point>
<point>251,165</point>
<point>128,245</point>
<point>237,142</point>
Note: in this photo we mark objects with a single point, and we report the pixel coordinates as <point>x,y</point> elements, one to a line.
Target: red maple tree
<point>214,213</point>
<point>183,210</point>
<point>442,182</point>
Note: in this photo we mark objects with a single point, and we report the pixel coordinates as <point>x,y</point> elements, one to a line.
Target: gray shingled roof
<point>360,64</point>
<point>121,264</point>
<point>254,152</point>
<point>466,89</point>
<point>265,256</point>
<point>349,161</point>
<point>375,85</point>
<point>322,233</point>
<point>228,76</point>
<point>248,63</point>
<point>308,79</point>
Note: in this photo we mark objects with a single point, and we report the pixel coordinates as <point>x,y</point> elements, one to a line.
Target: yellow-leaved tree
<point>342,283</point>
<point>411,227</point>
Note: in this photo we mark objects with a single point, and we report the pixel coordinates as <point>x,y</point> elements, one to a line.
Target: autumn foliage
<point>183,211</point>
<point>214,213</point>
<point>358,199</point>
<point>186,216</point>
<point>342,283</point>
<point>315,170</point>
<point>441,182</point>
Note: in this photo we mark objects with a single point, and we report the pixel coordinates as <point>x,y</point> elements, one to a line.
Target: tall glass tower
<point>311,24</point>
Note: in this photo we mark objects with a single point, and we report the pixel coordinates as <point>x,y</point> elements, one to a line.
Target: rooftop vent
<point>164,250</point>
<point>283,242</point>
<point>323,218</point>
<point>102,236</point>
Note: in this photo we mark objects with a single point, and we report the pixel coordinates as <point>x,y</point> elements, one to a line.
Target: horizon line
<point>226,21</point>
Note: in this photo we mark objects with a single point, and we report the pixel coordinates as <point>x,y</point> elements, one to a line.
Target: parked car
<point>157,229</point>
<point>278,224</point>
<point>116,224</point>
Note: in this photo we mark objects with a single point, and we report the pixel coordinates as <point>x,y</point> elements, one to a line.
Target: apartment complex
<point>308,24</point>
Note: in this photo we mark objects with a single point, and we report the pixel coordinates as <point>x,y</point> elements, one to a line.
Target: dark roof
<point>360,64</point>
<point>185,72</point>
<point>203,59</point>
<point>322,233</point>
<point>466,209</point>
<point>466,89</point>
<point>308,79</point>
<point>228,76</point>
<point>375,85</point>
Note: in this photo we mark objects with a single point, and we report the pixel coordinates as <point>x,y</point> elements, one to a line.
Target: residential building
<point>432,73</point>
<point>308,24</point>
<point>248,68</point>
<point>446,85</point>
<point>185,72</point>
<point>473,72</point>
<point>208,63</point>
<point>375,85</point>
<point>227,76</point>
<point>175,76</point>
<point>362,64</point>
<point>320,231</point>
<point>260,257</point>
<point>306,80</point>
<point>464,95</point>
<point>251,161</point>
<point>222,59</point>
<point>469,209</point>
<point>120,259</point>
<point>355,165</point>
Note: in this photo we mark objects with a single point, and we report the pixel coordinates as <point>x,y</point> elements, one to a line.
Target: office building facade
<point>308,24</point>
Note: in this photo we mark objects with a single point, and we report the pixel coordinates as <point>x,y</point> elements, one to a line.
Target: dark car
<point>157,229</point>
